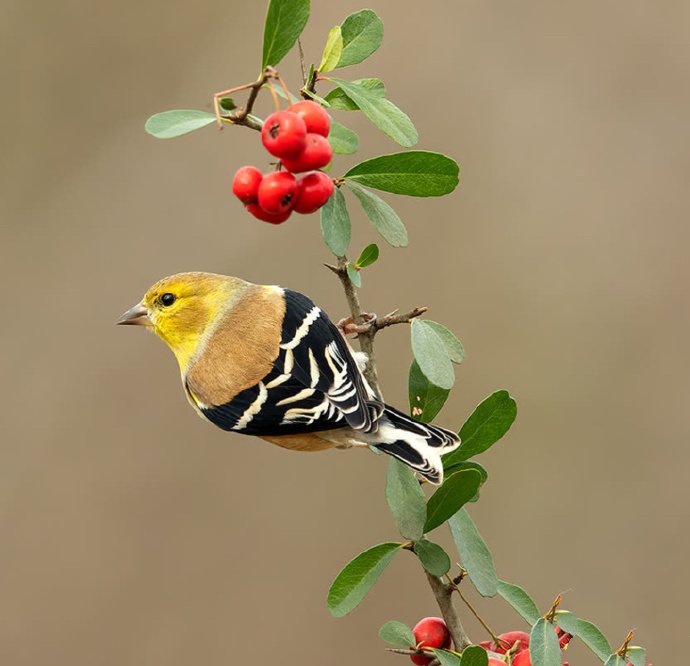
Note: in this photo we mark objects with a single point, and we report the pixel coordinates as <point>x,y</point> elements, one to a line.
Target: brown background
<point>133,533</point>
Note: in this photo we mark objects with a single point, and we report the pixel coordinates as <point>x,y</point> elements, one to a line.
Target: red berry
<point>314,115</point>
<point>317,153</point>
<point>283,134</point>
<point>496,662</point>
<point>277,192</point>
<point>430,632</point>
<point>261,214</point>
<point>315,189</point>
<point>522,659</point>
<point>508,639</point>
<point>245,184</point>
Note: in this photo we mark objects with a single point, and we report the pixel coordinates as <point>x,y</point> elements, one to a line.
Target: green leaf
<point>339,100</point>
<point>382,112</point>
<point>469,465</point>
<point>417,173</point>
<point>636,655</point>
<point>587,632</point>
<point>475,655</point>
<point>285,20</point>
<point>316,98</point>
<point>474,553</point>
<point>368,256</point>
<point>456,490</point>
<point>431,355</point>
<point>362,33</point>
<point>342,139</point>
<point>446,658</point>
<point>397,633</point>
<point>169,124</point>
<point>454,348</point>
<point>490,420</point>
<point>335,223</point>
<point>227,104</point>
<point>519,600</point>
<point>614,660</point>
<point>426,399</point>
<point>381,215</point>
<point>332,51</point>
<point>354,275</point>
<point>406,500</point>
<point>433,558</point>
<point>354,582</point>
<point>543,644</point>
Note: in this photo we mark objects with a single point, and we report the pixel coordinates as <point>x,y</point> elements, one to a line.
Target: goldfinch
<point>265,361</point>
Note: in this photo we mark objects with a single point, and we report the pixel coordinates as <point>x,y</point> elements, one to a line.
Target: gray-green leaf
<point>340,101</point>
<point>431,355</point>
<point>433,558</point>
<point>354,275</point>
<point>587,632</point>
<point>169,124</point>
<point>342,139</point>
<point>456,491</point>
<point>456,352</point>
<point>469,465</point>
<point>354,582</point>
<point>446,658</point>
<point>426,399</point>
<point>614,660</point>
<point>381,215</point>
<point>406,500</point>
<point>368,256</point>
<point>382,112</point>
<point>285,20</point>
<point>332,51</point>
<point>543,644</point>
<point>335,223</point>
<point>417,173</point>
<point>475,655</point>
<point>636,655</point>
<point>397,633</point>
<point>474,553</point>
<point>519,600</point>
<point>362,33</point>
<point>490,420</point>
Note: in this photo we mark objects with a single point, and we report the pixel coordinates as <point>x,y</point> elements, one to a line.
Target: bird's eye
<point>168,299</point>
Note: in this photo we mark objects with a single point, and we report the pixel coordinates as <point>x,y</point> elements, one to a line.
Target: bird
<point>266,361</point>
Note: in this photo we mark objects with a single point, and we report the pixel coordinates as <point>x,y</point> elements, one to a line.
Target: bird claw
<point>347,325</point>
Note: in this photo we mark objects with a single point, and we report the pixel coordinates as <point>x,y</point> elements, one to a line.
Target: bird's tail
<point>419,445</point>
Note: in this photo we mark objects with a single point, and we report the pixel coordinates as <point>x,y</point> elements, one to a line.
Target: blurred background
<point>133,533</point>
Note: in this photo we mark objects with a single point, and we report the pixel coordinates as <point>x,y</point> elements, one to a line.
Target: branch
<point>443,594</point>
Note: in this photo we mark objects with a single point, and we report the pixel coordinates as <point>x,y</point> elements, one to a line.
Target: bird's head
<point>181,309</point>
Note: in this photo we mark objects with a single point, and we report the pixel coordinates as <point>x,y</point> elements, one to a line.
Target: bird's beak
<point>136,316</point>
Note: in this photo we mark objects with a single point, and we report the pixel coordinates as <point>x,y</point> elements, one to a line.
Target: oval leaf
<point>397,633</point>
<point>354,582</point>
<point>406,500</point>
<point>456,490</point>
<point>474,553</point>
<point>342,139</point>
<point>335,224</point>
<point>469,465</point>
<point>475,655</point>
<point>339,100</point>
<point>285,20</point>
<point>384,219</point>
<point>431,355</point>
<point>368,256</point>
<point>543,644</point>
<point>382,112</point>
<point>446,658</point>
<point>332,51</point>
<point>362,33</point>
<point>490,420</point>
<point>169,124</point>
<point>426,399</point>
<point>454,348</point>
<point>636,655</point>
<point>519,600</point>
<point>417,173</point>
<point>433,558</point>
<point>614,660</point>
<point>587,632</point>
<point>354,275</point>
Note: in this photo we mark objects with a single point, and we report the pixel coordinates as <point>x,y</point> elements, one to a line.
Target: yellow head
<point>182,309</point>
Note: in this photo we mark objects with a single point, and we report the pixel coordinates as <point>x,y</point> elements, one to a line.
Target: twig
<point>301,61</point>
<point>418,653</point>
<point>474,612</point>
<point>622,651</point>
<point>443,594</point>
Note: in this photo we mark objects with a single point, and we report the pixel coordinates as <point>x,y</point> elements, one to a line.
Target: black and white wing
<point>315,383</point>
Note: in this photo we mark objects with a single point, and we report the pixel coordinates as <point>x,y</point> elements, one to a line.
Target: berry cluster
<point>297,136</point>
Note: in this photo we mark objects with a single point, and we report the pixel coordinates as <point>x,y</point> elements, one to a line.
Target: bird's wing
<point>315,383</point>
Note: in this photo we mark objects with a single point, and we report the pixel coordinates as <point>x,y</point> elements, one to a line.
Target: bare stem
<point>474,612</point>
<point>443,594</point>
<point>301,61</point>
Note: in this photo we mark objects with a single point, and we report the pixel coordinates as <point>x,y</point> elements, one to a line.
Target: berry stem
<point>473,610</point>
